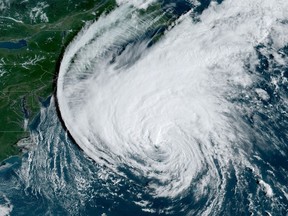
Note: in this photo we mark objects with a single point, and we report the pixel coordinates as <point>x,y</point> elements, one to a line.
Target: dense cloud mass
<point>165,113</point>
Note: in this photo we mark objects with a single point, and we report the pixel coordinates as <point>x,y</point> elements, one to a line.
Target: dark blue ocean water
<point>56,178</point>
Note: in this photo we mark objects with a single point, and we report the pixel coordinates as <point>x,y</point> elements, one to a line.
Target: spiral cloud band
<point>163,111</point>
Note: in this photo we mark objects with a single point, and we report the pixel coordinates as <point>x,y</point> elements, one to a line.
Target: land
<point>27,74</point>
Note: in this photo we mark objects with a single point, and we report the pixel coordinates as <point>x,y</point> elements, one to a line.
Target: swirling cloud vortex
<point>162,112</point>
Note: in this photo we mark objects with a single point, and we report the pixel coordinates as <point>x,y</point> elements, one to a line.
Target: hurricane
<point>164,112</point>
<point>179,107</point>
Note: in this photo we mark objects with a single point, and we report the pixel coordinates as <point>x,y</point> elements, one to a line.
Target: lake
<point>13,45</point>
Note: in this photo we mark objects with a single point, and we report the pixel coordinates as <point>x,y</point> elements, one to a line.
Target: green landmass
<point>27,74</point>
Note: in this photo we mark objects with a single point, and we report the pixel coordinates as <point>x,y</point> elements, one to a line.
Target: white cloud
<point>136,3</point>
<point>165,115</point>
